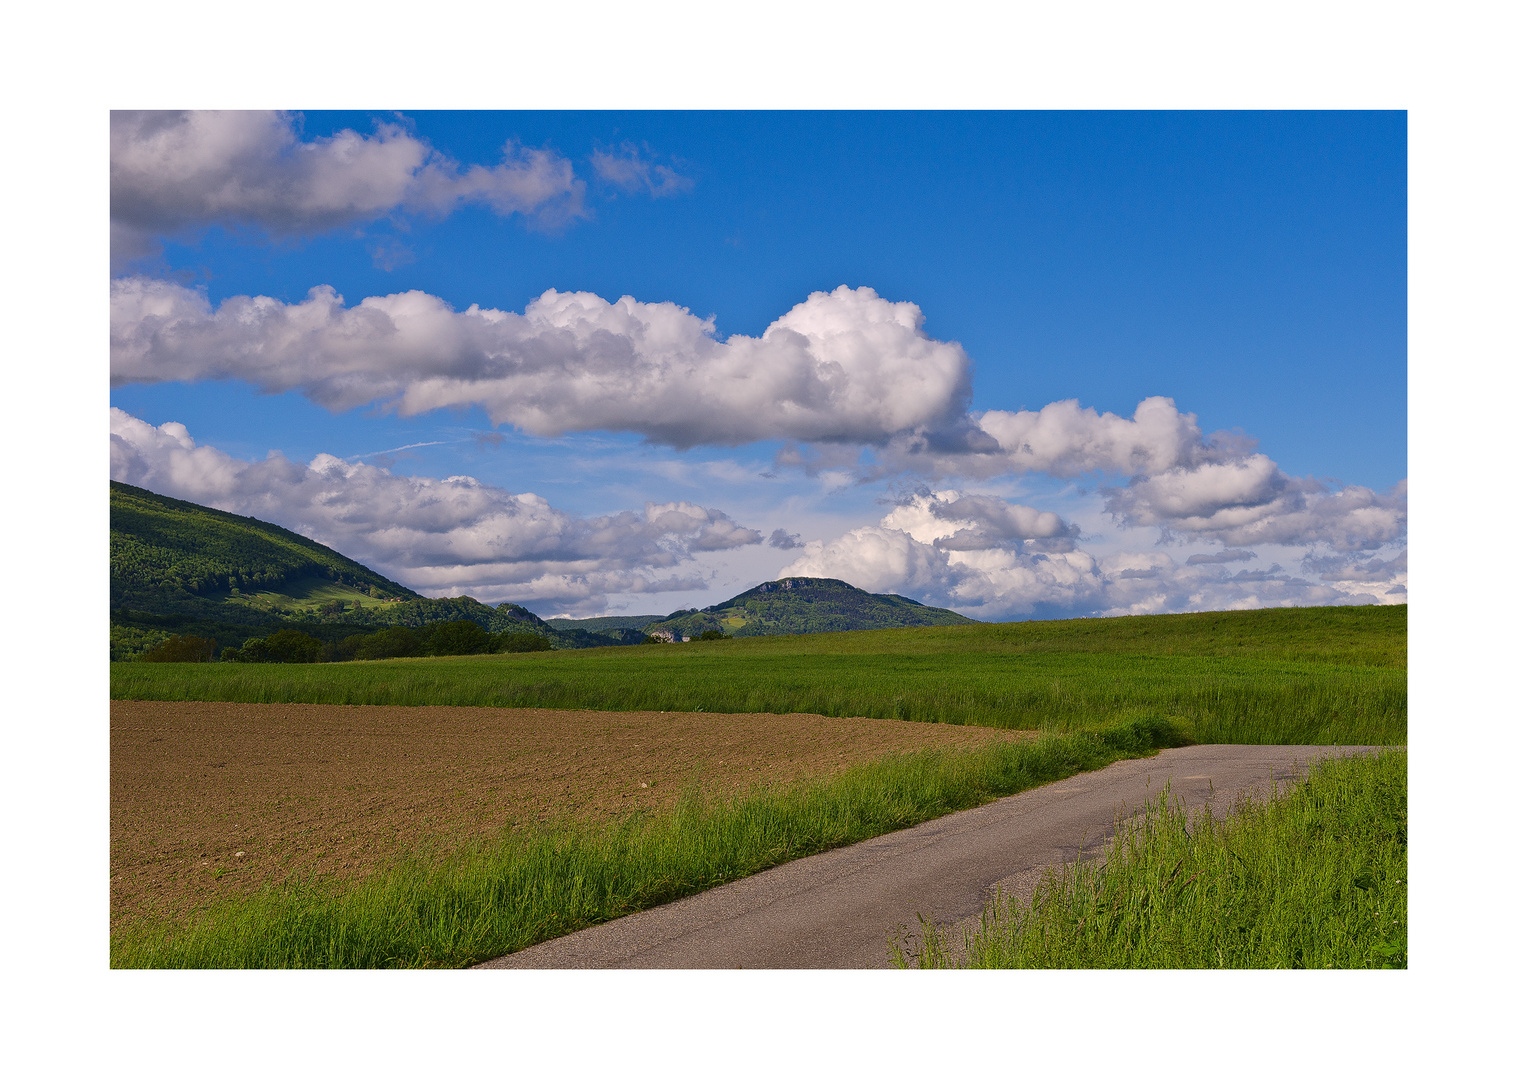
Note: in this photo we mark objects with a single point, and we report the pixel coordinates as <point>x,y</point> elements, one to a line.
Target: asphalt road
<point>841,909</point>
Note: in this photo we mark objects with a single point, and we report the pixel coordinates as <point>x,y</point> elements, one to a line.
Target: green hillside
<point>178,568</point>
<point>181,568</point>
<point>805,606</point>
<point>502,617</point>
<point>164,550</point>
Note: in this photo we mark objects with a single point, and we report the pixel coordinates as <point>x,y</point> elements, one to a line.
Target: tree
<point>280,647</point>
<point>396,641</point>
<point>458,638</point>
<point>508,641</point>
<point>346,649</point>
<point>181,649</point>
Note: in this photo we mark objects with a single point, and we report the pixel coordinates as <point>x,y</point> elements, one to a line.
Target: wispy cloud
<point>627,168</point>
<point>1227,555</point>
<point>398,449</point>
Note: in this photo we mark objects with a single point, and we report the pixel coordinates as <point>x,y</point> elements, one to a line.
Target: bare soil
<point>213,798</point>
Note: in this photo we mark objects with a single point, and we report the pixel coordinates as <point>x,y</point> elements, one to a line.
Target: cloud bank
<point>841,366</point>
<point>1061,439</point>
<point>840,374</point>
<point>1252,501</point>
<point>175,172</point>
<point>1187,484</point>
<point>443,537</point>
<point>993,559</point>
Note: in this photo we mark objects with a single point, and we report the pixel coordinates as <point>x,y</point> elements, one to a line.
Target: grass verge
<point>518,890</point>
<point>1314,879</point>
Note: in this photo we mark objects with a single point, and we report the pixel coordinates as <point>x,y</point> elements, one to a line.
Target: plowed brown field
<point>212,798</point>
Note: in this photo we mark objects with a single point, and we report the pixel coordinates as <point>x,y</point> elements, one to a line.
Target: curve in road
<point>840,909</point>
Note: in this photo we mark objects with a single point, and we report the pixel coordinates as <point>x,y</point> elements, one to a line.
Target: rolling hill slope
<point>163,550</point>
<point>181,568</point>
<point>801,605</point>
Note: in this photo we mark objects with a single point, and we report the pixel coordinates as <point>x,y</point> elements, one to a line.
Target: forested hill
<point>805,606</point>
<point>181,568</point>
<point>162,547</point>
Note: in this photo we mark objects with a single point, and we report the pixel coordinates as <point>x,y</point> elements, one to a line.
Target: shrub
<point>396,641</point>
<point>280,647</point>
<point>1141,733</point>
<point>509,641</point>
<point>346,649</point>
<point>458,638</point>
<point>181,649</point>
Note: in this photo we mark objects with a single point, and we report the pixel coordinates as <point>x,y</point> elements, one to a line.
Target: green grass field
<point>1314,879</point>
<point>1098,689</point>
<point>1306,676</point>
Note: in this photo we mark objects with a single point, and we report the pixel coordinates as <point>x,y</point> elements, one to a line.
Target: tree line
<point>288,646</point>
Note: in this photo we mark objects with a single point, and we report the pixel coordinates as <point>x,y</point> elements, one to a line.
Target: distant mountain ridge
<point>181,568</point>
<point>805,605</point>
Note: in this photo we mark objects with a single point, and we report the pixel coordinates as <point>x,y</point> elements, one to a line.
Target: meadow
<point>1304,676</point>
<point>1316,878</point>
<point>1094,691</point>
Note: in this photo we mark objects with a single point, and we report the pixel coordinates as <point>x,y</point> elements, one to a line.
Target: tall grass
<point>1315,879</point>
<point>518,890</point>
<point>1322,675</point>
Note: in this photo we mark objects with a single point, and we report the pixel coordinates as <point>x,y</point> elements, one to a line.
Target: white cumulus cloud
<point>843,377</point>
<point>969,552</point>
<point>840,366</point>
<point>1253,502</point>
<point>180,171</point>
<point>439,536</point>
<point>1062,439</point>
<point>1191,485</point>
<point>1389,571</point>
<point>989,558</point>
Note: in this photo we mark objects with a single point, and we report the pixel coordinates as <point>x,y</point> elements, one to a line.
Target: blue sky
<point>1250,268</point>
